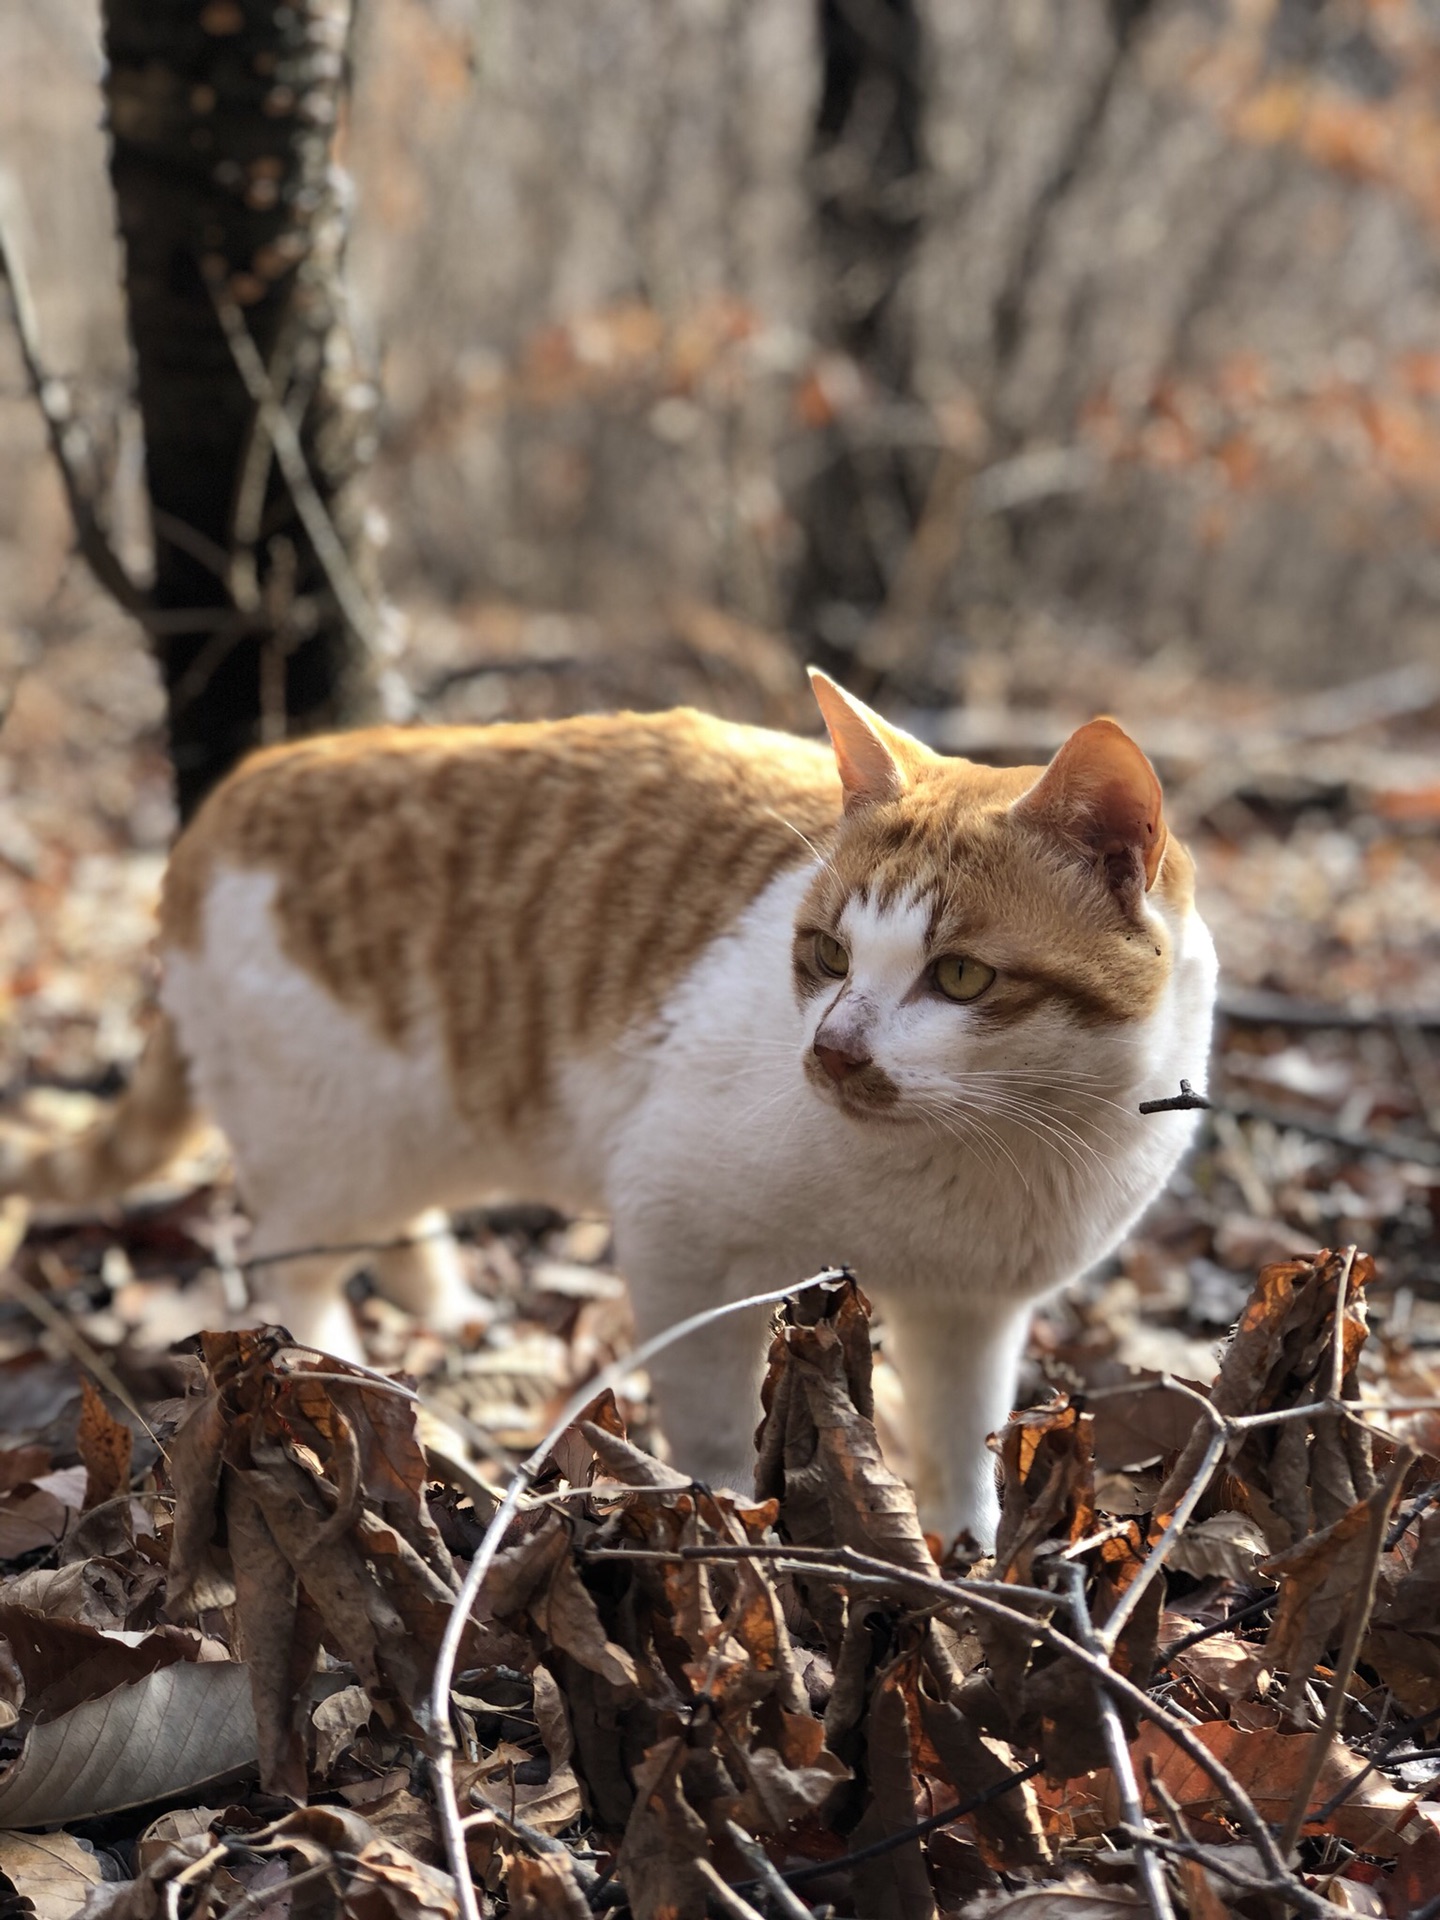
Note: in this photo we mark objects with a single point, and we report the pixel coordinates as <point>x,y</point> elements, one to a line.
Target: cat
<point>771,1005</point>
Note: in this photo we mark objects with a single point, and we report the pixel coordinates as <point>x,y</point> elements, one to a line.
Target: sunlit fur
<point>577,962</point>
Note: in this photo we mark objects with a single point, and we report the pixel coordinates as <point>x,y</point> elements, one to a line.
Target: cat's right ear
<point>877,762</point>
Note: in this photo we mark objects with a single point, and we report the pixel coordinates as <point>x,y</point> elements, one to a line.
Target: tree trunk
<point>866,174</point>
<point>222,120</point>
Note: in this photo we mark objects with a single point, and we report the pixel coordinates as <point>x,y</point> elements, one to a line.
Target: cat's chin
<point>861,1099</point>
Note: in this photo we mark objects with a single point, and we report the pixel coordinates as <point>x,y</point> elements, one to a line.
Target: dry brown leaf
<point>163,1735</point>
<point>819,1454</point>
<point>1403,1643</point>
<point>1227,1546</point>
<point>1299,1477</point>
<point>1048,1486</point>
<point>34,1515</point>
<point>1319,1579</point>
<point>1224,1668</point>
<point>545,1887</point>
<point>52,1871</point>
<point>90,1591</point>
<point>1074,1898</point>
<point>895,1885</point>
<point>1201,1890</point>
<point>664,1839</point>
<point>65,1663</point>
<point>104,1445</point>
<point>173,1829</point>
<point>336,1720</point>
<point>1009,1829</point>
<point>1269,1766</point>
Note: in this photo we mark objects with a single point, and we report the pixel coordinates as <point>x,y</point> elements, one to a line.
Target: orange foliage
<point>1254,426</point>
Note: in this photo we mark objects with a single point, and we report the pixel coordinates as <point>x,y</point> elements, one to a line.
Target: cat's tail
<point>137,1137</point>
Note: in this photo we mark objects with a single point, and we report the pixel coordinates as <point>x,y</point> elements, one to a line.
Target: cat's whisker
<point>971,1119</point>
<point>1045,1134</point>
<point>823,858</point>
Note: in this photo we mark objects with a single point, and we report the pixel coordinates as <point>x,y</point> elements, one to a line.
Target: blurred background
<point>1013,359</point>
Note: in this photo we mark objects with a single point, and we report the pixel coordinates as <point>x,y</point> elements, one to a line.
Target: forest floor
<point>616,1725</point>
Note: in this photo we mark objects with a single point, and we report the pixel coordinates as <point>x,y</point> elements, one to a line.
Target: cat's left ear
<point>1102,796</point>
<point>877,762</point>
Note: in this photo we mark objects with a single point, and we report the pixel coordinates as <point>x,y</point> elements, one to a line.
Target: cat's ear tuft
<point>1102,797</point>
<point>877,762</point>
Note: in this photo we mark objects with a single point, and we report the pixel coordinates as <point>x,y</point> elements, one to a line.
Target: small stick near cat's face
<point>977,925</point>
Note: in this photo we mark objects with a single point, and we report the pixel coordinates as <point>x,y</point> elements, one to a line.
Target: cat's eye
<point>961,979</point>
<point>830,956</point>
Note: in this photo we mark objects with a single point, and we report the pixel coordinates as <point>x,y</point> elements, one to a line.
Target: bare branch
<point>350,596</point>
<point>54,403</point>
<point>786,1902</point>
<point>1131,1805</point>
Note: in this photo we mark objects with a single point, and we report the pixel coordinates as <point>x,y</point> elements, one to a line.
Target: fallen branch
<point>1116,1745</point>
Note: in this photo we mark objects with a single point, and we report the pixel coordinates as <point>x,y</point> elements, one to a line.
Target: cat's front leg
<point>958,1359</point>
<point>706,1387</point>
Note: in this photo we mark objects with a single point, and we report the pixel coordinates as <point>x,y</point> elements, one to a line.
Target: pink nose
<point>839,1063</point>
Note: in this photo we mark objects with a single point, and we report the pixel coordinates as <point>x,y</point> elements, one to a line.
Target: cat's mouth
<point>866,1092</point>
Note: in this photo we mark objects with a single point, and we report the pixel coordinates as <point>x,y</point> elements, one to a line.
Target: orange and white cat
<point>772,1006</point>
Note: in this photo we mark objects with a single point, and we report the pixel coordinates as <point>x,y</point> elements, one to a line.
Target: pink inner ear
<point>1102,791</point>
<point>871,770</point>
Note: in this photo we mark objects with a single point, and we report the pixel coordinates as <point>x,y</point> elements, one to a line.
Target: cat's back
<point>550,881</point>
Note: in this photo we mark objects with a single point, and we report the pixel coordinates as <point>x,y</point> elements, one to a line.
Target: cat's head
<point>976,925</point>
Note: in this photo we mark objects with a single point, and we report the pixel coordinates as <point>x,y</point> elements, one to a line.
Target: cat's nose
<point>839,1062</point>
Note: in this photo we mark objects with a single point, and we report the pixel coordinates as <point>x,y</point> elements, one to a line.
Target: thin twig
<point>1214,1860</point>
<point>50,396</point>
<point>891,1842</point>
<point>350,596</point>
<point>1152,1878</point>
<point>1396,1738</point>
<point>74,1342</point>
<point>1260,1008</point>
<point>821,1560</point>
<point>400,1241</point>
<point>1186,1101</point>
<point>532,1837</point>
<point>1250,1611</point>
<point>1160,1552</point>
<point>785,1900</point>
<point>441,1739</point>
<point>258,1899</point>
<point>1337,1345</point>
<point>1408,1147</point>
<point>724,1895</point>
<point>1359,1621</point>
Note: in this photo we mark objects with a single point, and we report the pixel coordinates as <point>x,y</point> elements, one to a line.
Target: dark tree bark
<point>867,174</point>
<point>222,119</point>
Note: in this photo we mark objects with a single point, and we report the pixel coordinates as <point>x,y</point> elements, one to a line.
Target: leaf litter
<point>223,1593</point>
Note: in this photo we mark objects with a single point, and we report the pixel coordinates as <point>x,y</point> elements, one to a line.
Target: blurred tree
<point>866,175</point>
<point>257,417</point>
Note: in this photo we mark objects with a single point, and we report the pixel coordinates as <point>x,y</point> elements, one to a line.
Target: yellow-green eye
<point>961,979</point>
<point>831,956</point>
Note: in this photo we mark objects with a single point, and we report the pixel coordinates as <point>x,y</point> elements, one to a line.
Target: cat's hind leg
<point>304,1290</point>
<point>426,1274</point>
